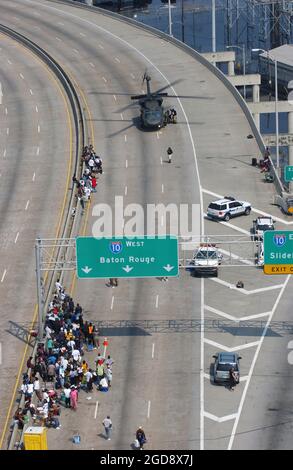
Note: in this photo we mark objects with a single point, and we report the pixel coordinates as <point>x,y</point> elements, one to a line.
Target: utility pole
<point>170,18</point>
<point>182,21</point>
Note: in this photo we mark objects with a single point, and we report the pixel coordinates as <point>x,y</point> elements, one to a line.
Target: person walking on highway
<point>170,154</point>
<point>113,282</point>
<point>107,423</point>
<point>233,379</point>
<point>140,436</point>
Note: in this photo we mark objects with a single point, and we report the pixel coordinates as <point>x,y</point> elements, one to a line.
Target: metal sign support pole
<point>39,290</point>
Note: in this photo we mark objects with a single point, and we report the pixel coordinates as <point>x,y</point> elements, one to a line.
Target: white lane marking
<point>201,424</point>
<point>92,65</point>
<point>37,109</point>
<point>31,91</point>
<point>26,206</point>
<point>76,51</point>
<point>82,35</point>
<point>157,300</point>
<point>6,111</point>
<point>105,80</point>
<point>126,163</point>
<point>161,161</point>
<point>219,420</point>
<point>233,256</point>
<point>4,153</point>
<point>39,128</point>
<point>126,43</point>
<point>7,131</point>
<point>57,39</point>
<point>257,211</point>
<point>158,135</point>
<point>117,60</point>
<point>34,177</point>
<point>3,275</point>
<point>254,362</point>
<point>125,138</point>
<point>100,46</point>
<point>96,409</point>
<point>112,302</point>
<point>227,349</point>
<point>234,227</point>
<point>21,76</point>
<point>121,115</point>
<point>162,188</point>
<point>244,291</point>
<point>9,62</point>
<point>114,96</point>
<point>16,238</point>
<point>38,151</point>
<point>132,76</point>
<point>153,350</point>
<point>149,409</point>
<point>162,220</point>
<point>125,191</point>
<point>61,24</point>
<point>1,96</point>
<point>37,28</point>
<point>232,317</point>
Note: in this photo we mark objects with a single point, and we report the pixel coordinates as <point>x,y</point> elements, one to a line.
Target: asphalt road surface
<point>161,380</point>
<point>34,155</point>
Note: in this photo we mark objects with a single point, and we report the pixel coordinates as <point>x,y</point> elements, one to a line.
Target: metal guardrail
<point>79,125</point>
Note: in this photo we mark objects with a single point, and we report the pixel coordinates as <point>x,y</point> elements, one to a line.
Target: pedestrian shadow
<point>101,435</point>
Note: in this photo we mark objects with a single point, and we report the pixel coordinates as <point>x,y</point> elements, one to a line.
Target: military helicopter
<point>152,114</point>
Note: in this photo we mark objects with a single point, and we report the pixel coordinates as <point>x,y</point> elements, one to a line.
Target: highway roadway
<point>161,380</point>
<point>34,155</point>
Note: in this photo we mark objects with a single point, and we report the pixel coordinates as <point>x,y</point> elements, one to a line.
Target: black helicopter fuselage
<point>152,113</point>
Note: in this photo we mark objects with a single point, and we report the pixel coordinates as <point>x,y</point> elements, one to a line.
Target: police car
<point>206,260</point>
<point>228,207</point>
<point>260,225</point>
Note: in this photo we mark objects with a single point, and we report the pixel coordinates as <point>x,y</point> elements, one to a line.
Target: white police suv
<point>228,207</point>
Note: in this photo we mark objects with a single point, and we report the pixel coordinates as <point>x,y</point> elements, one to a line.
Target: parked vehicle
<point>224,361</point>
<point>224,209</point>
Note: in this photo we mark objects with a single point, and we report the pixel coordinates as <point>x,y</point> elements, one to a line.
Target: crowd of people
<point>59,371</point>
<point>93,166</point>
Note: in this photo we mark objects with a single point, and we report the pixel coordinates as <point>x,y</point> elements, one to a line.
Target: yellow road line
<point>69,122</point>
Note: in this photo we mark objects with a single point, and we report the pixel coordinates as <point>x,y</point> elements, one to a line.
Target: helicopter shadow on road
<point>136,123</point>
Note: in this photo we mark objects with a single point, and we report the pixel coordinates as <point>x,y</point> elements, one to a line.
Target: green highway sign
<point>127,257</point>
<point>289,173</point>
<point>278,252</point>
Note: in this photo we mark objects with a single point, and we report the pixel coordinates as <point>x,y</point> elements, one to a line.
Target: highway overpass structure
<point>162,377</point>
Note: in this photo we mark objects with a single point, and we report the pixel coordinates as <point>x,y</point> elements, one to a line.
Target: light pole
<point>244,63</point>
<point>170,18</point>
<point>214,43</point>
<point>276,102</point>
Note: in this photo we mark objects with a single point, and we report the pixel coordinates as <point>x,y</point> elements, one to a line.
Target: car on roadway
<point>224,361</point>
<point>206,260</point>
<point>261,225</point>
<point>224,209</point>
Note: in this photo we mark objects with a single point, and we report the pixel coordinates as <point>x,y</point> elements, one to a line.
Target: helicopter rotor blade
<point>169,85</point>
<point>137,97</point>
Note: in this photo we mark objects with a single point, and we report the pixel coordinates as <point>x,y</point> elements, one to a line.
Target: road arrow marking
<point>86,269</point>
<point>127,269</point>
<point>227,349</point>
<point>168,268</point>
